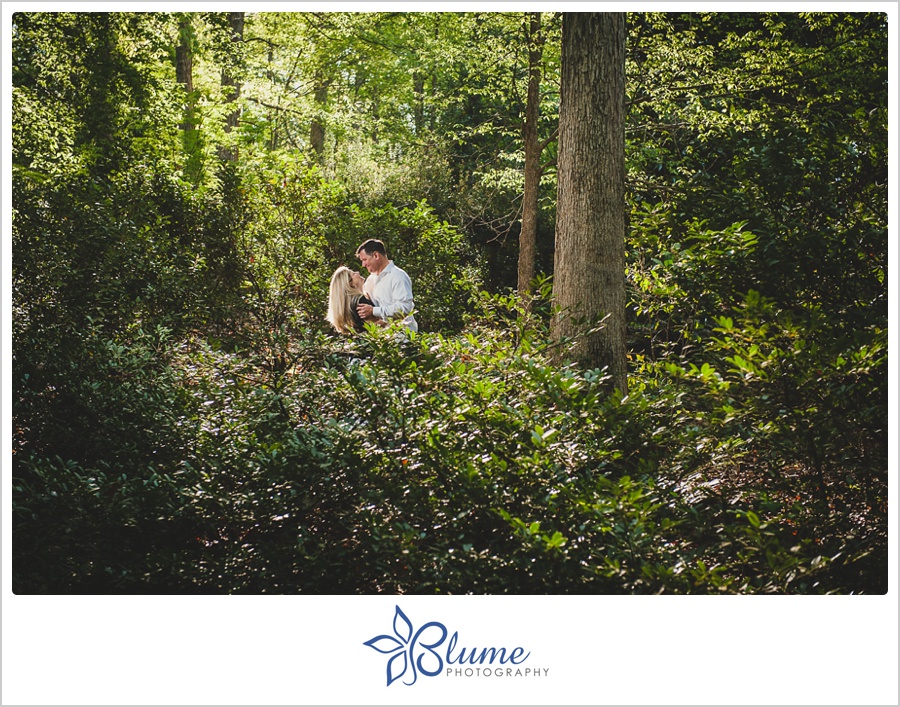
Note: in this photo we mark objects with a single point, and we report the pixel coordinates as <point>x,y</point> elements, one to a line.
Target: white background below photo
<point>589,650</point>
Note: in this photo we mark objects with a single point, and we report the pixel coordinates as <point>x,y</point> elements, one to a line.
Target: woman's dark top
<point>356,300</point>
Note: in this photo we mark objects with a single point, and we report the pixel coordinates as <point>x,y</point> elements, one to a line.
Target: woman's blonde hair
<point>341,291</point>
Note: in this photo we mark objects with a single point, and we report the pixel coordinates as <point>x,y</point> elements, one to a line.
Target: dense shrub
<point>450,464</point>
<point>97,451</point>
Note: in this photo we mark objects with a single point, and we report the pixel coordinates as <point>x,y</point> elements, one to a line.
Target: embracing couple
<point>385,295</point>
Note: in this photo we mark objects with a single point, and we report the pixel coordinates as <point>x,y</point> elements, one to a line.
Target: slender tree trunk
<point>273,115</point>
<point>317,128</point>
<point>236,20</point>
<point>528,232</point>
<point>376,115</point>
<point>419,102</point>
<point>184,74</point>
<point>589,268</point>
<point>433,80</point>
<point>184,54</point>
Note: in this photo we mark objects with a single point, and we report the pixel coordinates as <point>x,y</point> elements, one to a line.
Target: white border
<point>305,650</point>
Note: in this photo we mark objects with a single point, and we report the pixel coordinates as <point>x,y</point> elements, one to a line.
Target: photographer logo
<point>431,651</point>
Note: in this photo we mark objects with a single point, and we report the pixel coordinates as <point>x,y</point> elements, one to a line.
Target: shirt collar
<point>387,268</point>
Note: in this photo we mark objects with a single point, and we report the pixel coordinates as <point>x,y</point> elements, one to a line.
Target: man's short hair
<point>373,246</point>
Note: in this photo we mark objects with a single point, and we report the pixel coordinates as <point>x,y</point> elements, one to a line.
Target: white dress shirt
<point>391,290</point>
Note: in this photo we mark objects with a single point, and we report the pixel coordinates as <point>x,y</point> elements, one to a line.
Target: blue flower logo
<point>403,645</point>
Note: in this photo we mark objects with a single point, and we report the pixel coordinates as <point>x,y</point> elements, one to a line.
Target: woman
<point>345,293</point>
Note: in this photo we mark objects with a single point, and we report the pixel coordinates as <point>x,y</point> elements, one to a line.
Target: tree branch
<point>273,107</point>
<point>551,138</point>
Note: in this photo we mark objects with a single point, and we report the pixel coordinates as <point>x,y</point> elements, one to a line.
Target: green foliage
<point>133,246</point>
<point>185,421</point>
<point>90,89</point>
<point>776,122</point>
<point>449,464</point>
<point>97,453</point>
<point>676,281</point>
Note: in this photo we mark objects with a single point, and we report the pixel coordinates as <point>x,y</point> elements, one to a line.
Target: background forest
<point>185,421</point>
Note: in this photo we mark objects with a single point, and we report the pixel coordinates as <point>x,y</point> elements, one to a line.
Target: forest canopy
<point>185,420</point>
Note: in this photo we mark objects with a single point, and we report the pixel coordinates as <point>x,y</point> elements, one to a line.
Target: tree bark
<point>236,21</point>
<point>184,55</point>
<point>589,268</point>
<point>419,100</point>
<point>184,74</point>
<point>530,204</point>
<point>317,128</point>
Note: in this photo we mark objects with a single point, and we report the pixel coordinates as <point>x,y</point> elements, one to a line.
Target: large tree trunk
<point>528,232</point>
<point>236,21</point>
<point>589,268</point>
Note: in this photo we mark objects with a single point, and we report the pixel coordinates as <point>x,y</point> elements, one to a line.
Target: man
<point>387,285</point>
